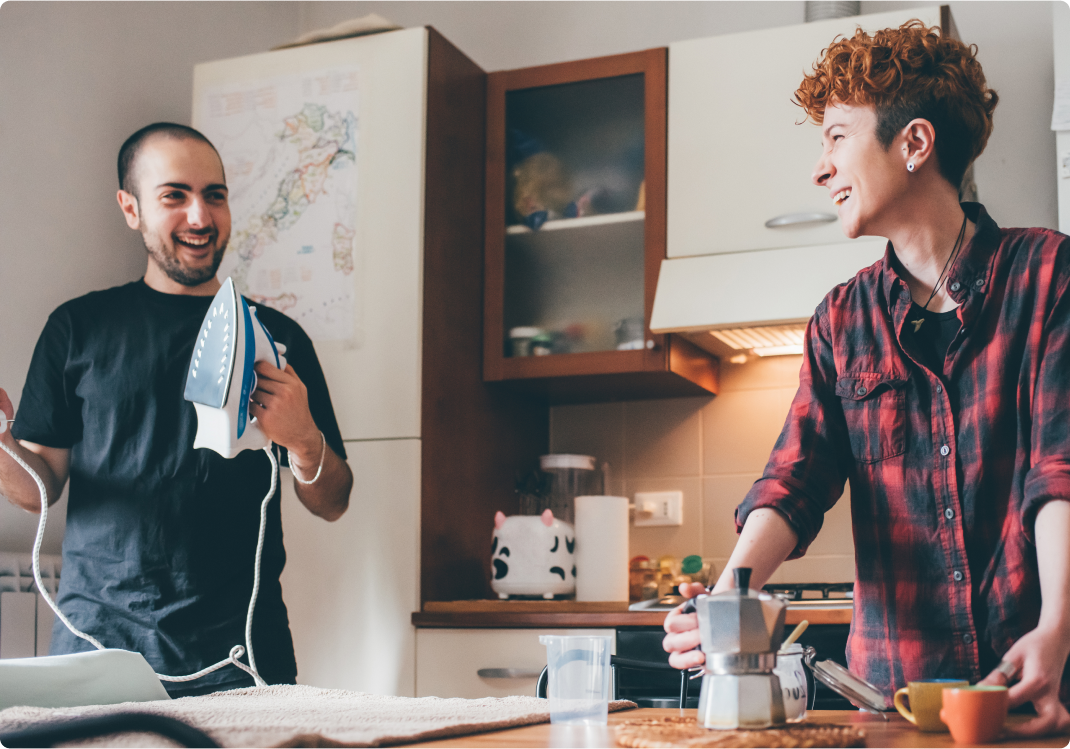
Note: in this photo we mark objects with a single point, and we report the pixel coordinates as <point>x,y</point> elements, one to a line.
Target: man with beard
<point>159,548</point>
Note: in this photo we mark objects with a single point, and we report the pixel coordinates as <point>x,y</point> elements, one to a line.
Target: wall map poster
<point>289,148</point>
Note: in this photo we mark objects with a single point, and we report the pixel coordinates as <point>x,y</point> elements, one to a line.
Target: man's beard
<point>174,270</point>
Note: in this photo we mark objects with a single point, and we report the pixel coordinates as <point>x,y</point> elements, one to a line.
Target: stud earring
<point>910,166</point>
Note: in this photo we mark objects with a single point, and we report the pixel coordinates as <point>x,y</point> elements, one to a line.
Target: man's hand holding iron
<point>280,405</point>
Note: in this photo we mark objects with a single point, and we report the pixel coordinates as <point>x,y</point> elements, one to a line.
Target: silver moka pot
<point>741,631</point>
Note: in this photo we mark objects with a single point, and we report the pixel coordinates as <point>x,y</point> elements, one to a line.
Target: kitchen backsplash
<point>712,450</point>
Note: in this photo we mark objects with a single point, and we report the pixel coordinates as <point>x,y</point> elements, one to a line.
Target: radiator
<point>25,617</point>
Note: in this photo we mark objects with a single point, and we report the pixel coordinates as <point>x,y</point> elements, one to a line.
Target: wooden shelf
<point>566,224</point>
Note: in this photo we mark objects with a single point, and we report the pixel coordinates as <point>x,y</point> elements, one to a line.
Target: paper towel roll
<point>601,548</point>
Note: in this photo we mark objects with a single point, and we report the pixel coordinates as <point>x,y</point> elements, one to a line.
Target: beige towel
<point>308,716</point>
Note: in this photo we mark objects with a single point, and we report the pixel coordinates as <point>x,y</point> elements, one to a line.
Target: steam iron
<point>221,377</point>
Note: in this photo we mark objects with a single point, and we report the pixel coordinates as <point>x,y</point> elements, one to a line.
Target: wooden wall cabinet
<point>584,142</point>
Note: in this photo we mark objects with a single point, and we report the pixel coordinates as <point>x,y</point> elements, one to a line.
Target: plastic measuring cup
<point>579,678</point>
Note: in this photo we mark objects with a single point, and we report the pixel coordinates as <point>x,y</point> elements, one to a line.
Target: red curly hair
<point>907,73</point>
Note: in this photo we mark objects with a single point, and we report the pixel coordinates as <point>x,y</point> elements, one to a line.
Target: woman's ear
<point>918,140</point>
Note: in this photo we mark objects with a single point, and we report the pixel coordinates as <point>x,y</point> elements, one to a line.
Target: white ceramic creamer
<point>532,555</point>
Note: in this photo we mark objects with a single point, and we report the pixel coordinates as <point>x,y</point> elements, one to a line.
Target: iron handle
<point>509,673</point>
<point>791,219</point>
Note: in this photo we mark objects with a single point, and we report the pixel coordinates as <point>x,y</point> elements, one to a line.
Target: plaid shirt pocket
<point>875,412</point>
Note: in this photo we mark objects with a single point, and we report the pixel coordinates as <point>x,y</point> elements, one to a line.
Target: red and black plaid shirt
<point>947,469</point>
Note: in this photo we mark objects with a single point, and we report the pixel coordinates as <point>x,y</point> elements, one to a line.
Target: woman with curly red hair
<point>936,381</point>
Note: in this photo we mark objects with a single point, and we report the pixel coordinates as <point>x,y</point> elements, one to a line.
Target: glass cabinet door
<point>575,233</point>
<point>574,202</point>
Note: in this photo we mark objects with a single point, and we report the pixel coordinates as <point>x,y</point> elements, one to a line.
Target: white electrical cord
<point>235,653</point>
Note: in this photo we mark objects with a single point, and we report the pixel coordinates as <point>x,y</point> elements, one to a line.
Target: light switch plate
<point>659,508</point>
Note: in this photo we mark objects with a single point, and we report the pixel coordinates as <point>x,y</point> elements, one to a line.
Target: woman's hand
<point>1039,657</point>
<point>682,639</point>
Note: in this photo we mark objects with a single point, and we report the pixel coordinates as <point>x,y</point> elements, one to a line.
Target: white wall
<point>1061,47</point>
<point>505,35</point>
<point>75,80</point>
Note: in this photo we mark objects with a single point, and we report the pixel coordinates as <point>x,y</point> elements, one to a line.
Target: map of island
<point>289,149</point>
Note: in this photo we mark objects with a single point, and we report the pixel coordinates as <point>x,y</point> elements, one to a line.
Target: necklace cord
<point>947,264</point>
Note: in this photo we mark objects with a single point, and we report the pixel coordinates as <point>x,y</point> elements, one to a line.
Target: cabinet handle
<point>791,219</point>
<point>509,673</point>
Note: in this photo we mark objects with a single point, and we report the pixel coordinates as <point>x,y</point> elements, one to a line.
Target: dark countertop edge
<point>505,620</point>
<point>575,620</point>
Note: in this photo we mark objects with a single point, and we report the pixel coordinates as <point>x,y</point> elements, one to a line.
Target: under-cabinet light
<point>778,350</point>
<point>769,340</point>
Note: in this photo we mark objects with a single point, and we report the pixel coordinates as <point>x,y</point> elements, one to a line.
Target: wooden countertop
<point>895,732</point>
<point>580,614</point>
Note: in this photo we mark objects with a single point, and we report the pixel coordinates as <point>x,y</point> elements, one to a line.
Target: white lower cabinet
<point>449,662</point>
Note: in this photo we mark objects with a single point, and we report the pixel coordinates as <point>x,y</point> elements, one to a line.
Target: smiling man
<point>159,548</point>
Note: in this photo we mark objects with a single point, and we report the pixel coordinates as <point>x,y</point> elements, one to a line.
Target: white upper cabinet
<point>737,159</point>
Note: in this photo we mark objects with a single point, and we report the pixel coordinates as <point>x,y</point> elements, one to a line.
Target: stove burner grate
<point>801,591</point>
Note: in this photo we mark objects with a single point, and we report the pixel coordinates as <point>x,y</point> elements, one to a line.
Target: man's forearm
<point>765,542</point>
<point>328,496</point>
<point>16,483</point>
<point>1051,532</point>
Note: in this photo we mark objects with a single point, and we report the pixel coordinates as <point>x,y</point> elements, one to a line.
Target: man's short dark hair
<point>132,147</point>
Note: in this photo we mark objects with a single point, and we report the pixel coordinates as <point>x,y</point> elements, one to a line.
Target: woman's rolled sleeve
<point>806,471</point>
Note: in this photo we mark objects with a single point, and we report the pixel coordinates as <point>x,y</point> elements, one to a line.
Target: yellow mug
<point>925,698</point>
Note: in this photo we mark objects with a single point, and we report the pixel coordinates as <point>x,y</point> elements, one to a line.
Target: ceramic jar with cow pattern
<point>532,555</point>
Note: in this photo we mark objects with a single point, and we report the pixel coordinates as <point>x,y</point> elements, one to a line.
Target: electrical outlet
<point>659,508</point>
<point>1064,165</point>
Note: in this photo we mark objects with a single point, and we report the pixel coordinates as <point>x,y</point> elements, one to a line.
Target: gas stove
<point>814,596</point>
<point>801,596</point>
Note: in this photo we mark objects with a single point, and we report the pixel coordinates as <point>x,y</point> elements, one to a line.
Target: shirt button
<point>861,390</point>
<point>958,579</point>
<point>979,283</point>
<point>956,286</point>
<point>944,450</point>
<point>939,388</point>
<point>949,513</point>
<point>967,639</point>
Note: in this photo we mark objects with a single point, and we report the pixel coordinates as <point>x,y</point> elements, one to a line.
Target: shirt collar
<point>970,271</point>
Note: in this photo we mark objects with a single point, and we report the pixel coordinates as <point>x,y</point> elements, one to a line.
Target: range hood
<point>739,304</point>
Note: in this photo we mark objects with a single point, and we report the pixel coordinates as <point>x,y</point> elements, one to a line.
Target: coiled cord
<point>235,653</point>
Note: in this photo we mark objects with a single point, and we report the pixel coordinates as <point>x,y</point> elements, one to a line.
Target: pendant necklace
<point>939,281</point>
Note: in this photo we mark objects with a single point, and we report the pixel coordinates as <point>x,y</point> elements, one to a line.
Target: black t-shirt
<point>933,337</point>
<point>159,549</point>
